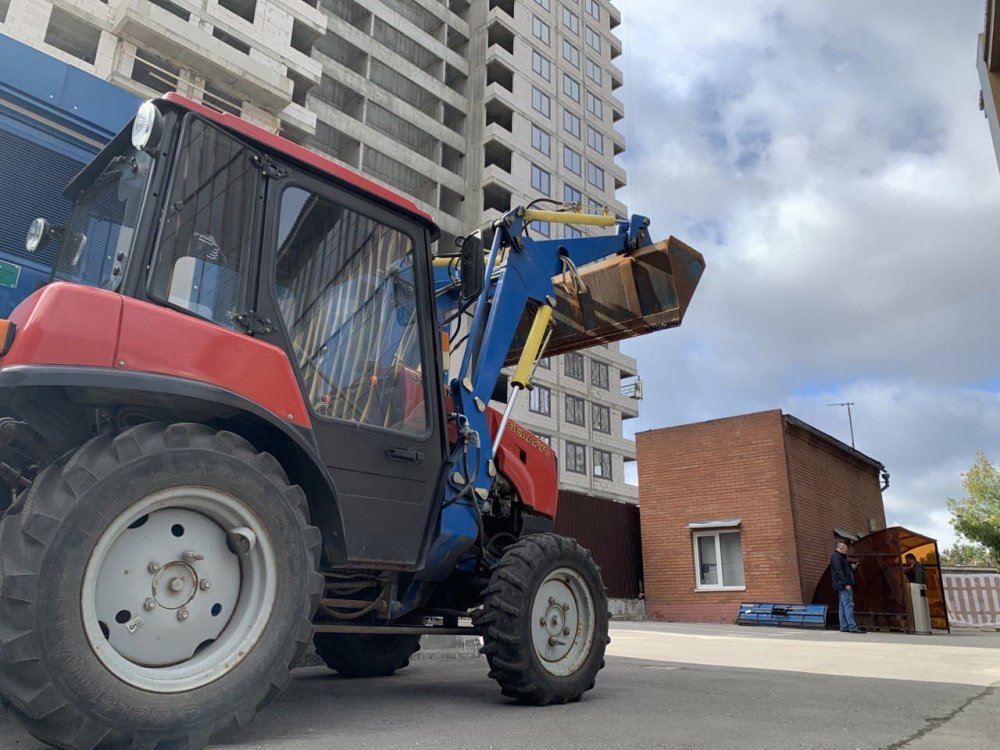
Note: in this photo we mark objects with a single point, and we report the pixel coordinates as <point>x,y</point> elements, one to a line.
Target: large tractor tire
<point>545,620</point>
<point>155,587</point>
<point>366,655</point>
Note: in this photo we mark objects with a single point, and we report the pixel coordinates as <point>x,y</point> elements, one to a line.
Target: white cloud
<point>830,161</point>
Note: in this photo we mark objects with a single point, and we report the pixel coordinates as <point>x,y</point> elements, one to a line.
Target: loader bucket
<point>646,290</point>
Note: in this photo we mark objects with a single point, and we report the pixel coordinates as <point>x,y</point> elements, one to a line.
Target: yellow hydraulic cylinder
<point>567,217</point>
<point>532,346</point>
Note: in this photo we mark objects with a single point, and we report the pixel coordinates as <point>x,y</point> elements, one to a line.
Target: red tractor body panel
<point>157,339</point>
<point>71,324</point>
<point>66,324</point>
<point>529,464</point>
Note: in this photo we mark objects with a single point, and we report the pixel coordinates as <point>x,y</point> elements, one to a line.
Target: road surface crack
<point>936,722</point>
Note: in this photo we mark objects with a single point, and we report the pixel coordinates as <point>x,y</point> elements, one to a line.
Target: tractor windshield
<point>98,237</point>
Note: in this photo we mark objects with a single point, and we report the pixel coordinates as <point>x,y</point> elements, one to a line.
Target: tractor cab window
<point>97,239</point>
<point>345,288</point>
<point>205,244</point>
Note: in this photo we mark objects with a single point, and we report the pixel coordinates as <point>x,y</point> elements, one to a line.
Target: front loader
<point>231,428</point>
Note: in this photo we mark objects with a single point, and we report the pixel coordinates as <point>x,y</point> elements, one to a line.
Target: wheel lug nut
<point>552,600</point>
<point>176,584</point>
<point>190,556</point>
<point>565,631</point>
<point>149,605</point>
<point>542,622</point>
<point>182,614</point>
<point>154,567</point>
<point>205,584</point>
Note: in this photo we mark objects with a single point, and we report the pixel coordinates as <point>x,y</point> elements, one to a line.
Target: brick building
<point>746,509</point>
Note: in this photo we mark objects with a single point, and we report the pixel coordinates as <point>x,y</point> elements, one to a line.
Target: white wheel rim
<point>166,605</point>
<point>563,622</point>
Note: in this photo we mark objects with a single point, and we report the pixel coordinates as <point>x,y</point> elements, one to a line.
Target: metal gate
<point>973,596</point>
<point>610,531</point>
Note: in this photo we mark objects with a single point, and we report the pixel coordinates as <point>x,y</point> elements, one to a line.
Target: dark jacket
<point>840,572</point>
<point>917,574</point>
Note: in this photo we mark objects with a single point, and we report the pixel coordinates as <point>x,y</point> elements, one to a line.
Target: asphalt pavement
<point>665,686</point>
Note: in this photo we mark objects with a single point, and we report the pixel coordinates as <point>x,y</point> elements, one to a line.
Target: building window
<point>593,8</point>
<point>595,139</point>
<point>599,374</point>
<point>573,365</point>
<point>547,439</point>
<point>594,72</point>
<point>602,464</point>
<point>576,411</point>
<point>571,194</point>
<point>540,140</point>
<point>570,232</point>
<point>571,123</point>
<point>718,560</point>
<point>572,161</point>
<point>545,363</point>
<point>540,29</point>
<point>547,4</point>
<point>540,400</point>
<point>540,64</point>
<point>544,228</point>
<point>540,179</point>
<point>595,176</point>
<point>73,36</point>
<point>571,87</point>
<point>540,102</point>
<point>570,20</point>
<point>576,458</point>
<point>593,39</point>
<point>602,418</point>
<point>570,54</point>
<point>595,105</point>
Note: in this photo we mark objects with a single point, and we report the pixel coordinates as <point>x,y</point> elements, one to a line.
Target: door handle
<point>405,455</point>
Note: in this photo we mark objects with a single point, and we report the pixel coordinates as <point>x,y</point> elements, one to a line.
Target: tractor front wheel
<point>545,620</point>
<point>155,589</point>
<point>364,654</point>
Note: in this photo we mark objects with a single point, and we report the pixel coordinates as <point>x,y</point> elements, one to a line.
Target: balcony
<point>162,32</point>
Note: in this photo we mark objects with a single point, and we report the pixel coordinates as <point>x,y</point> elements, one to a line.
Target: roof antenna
<point>850,419</point>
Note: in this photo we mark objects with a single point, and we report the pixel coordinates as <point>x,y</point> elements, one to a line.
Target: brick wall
<point>830,488</point>
<point>715,470</point>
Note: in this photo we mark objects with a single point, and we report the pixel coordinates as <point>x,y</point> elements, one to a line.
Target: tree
<point>966,553</point>
<point>977,516</point>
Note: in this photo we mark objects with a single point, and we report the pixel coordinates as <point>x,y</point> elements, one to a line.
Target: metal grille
<point>610,531</point>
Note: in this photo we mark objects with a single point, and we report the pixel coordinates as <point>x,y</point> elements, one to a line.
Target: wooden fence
<point>973,596</point>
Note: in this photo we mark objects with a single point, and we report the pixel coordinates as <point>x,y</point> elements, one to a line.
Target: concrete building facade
<point>747,509</point>
<point>469,108</point>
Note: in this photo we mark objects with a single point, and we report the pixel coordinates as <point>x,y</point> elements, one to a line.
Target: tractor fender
<point>63,397</point>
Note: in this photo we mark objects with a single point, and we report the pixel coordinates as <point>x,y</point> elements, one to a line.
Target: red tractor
<point>229,432</point>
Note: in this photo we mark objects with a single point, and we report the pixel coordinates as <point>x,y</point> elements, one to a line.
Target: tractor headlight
<point>38,234</point>
<point>147,127</point>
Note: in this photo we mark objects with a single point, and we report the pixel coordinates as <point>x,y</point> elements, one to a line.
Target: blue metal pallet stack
<point>783,615</point>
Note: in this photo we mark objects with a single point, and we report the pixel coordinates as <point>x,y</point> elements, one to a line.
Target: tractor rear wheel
<point>155,588</point>
<point>545,620</point>
<point>364,654</point>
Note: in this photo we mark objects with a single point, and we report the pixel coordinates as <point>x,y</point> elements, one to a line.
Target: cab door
<point>347,286</point>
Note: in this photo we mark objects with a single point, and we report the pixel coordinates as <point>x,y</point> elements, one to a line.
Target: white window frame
<point>698,585</point>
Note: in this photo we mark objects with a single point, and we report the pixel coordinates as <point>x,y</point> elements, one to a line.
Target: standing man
<point>842,573</point>
<point>914,570</point>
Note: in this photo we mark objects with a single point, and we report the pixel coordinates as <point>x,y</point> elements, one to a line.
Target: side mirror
<point>472,266</point>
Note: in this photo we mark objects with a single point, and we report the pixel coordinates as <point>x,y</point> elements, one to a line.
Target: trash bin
<point>920,608</point>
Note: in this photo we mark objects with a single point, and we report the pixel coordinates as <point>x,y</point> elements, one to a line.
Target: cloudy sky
<point>831,162</point>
